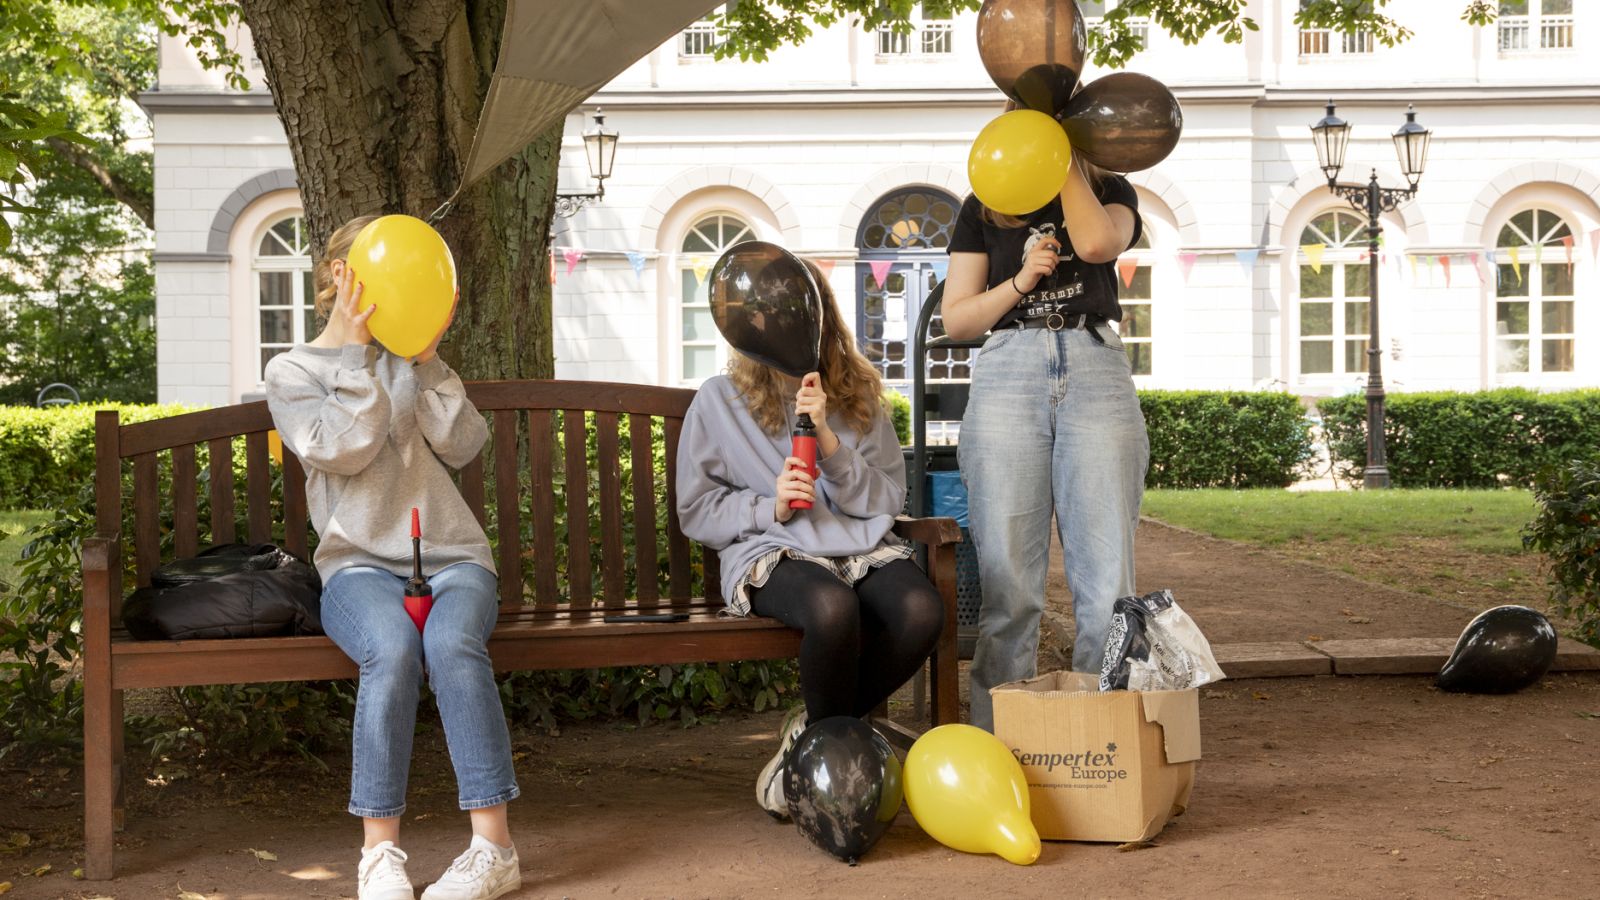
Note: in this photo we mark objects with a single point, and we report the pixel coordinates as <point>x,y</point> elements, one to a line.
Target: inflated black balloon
<point>767,304</point>
<point>843,786</point>
<point>1504,649</point>
<point>1123,122</point>
<point>1033,49</point>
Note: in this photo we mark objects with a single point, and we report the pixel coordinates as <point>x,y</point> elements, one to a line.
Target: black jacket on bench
<point>228,591</point>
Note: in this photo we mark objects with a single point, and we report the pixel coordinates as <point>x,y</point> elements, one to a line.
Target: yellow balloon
<point>407,270</point>
<point>967,791</point>
<point>1019,161</point>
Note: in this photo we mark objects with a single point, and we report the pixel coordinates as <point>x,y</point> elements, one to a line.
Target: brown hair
<point>1094,173</point>
<point>338,248</point>
<point>852,384</point>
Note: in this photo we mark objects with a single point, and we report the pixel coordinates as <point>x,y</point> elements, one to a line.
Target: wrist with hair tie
<point>1020,291</point>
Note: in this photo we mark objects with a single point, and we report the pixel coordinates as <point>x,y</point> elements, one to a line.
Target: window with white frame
<point>1137,302</point>
<point>1534,300</point>
<point>1318,43</point>
<point>285,295</point>
<point>1334,296</point>
<point>930,35</point>
<point>701,354</point>
<point>1094,12</point>
<point>1527,25</point>
<point>700,39</point>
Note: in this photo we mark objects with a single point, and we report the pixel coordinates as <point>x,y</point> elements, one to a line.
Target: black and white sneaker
<point>769,787</point>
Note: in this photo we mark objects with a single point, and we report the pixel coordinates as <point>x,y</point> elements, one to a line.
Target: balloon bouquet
<point>1034,51</point>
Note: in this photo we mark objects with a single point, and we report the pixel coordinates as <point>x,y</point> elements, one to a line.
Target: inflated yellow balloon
<point>407,270</point>
<point>967,791</point>
<point>1019,161</point>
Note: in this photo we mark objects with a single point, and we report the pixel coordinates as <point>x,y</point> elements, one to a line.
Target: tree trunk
<point>380,100</point>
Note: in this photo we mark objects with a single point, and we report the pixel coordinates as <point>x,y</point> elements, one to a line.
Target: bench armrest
<point>102,579</point>
<point>931,531</point>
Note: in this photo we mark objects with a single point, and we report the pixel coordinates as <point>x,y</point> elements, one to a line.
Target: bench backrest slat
<point>610,469</point>
<point>505,498</point>
<point>258,487</point>
<point>577,477</point>
<point>678,575</point>
<point>146,524</point>
<point>541,476</point>
<point>294,505</point>
<point>185,506</point>
<point>580,584</point>
<point>221,460</point>
<point>645,551</point>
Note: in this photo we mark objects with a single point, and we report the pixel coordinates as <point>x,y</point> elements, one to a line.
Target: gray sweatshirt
<point>375,434</point>
<point>727,473</point>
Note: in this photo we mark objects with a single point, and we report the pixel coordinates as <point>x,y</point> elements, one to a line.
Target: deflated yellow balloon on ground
<point>1019,161</point>
<point>405,268</point>
<point>967,791</point>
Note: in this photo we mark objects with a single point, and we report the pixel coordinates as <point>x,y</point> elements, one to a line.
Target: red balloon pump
<point>803,446</point>
<point>419,594</point>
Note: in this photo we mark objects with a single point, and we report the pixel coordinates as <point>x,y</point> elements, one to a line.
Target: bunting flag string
<point>1566,241</point>
<point>1127,267</point>
<point>701,266</point>
<point>552,265</point>
<point>1477,266</point>
<point>941,267</point>
<point>1538,253</point>
<point>1516,262</point>
<point>636,260</point>
<point>1594,246</point>
<point>880,270</point>
<point>1444,262</point>
<point>826,265</point>
<point>1247,259</point>
<point>1413,260</point>
<point>572,256</point>
<point>1313,254</point>
<point>1186,263</point>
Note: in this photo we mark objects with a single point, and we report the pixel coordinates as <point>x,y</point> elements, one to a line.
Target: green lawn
<point>14,524</point>
<point>1483,522</point>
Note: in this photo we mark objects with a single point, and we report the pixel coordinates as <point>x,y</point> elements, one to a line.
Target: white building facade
<point>851,149</point>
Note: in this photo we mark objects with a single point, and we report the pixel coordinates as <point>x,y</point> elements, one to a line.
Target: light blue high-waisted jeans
<point>1052,426</point>
<point>364,613</point>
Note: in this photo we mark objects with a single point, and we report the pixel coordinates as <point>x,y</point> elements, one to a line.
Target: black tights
<point>859,644</point>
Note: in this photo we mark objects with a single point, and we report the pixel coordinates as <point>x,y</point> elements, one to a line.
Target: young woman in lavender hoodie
<point>835,571</point>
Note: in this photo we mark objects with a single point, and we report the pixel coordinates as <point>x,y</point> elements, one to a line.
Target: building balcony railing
<point>927,39</point>
<point>699,40</point>
<point>1323,42</point>
<point>1139,28</point>
<point>1517,33</point>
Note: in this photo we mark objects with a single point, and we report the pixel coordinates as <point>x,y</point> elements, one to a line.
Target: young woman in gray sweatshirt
<point>378,435</point>
<point>835,571</point>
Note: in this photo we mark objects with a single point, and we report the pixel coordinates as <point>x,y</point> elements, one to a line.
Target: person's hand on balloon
<point>432,350</point>
<point>347,320</point>
<point>794,483</point>
<point>1040,261</point>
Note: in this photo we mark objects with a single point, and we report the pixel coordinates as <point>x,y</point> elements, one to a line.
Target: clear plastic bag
<point>1153,645</point>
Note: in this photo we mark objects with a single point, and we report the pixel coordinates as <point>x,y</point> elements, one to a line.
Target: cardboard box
<point>1101,766</point>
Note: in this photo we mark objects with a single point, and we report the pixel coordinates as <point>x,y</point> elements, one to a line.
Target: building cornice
<point>200,101</point>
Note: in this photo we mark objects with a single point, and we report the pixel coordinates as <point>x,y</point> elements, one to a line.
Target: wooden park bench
<point>557,624</point>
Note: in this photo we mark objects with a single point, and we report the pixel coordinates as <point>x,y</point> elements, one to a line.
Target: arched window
<point>1137,298</point>
<point>1534,305</point>
<point>1334,297</point>
<point>701,354</point>
<point>285,297</point>
<point>902,249</point>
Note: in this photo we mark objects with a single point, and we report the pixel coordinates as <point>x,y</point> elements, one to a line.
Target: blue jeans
<point>1052,427</point>
<point>364,613</point>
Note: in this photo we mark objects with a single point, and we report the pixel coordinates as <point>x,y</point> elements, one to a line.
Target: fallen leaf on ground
<point>1135,845</point>
<point>19,839</point>
<point>264,855</point>
<point>78,874</point>
<point>1261,695</point>
<point>1359,620</point>
<point>189,895</point>
<point>42,871</point>
<point>4,886</point>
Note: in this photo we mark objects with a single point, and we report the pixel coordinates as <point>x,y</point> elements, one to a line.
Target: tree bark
<point>379,99</point>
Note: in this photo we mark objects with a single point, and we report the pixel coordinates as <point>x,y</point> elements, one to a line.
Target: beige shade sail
<point>554,54</point>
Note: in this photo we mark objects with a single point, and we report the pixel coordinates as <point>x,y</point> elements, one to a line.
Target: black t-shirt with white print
<point>1082,287</point>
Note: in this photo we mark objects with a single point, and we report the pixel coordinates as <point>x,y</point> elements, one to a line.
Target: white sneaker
<point>481,873</point>
<point>769,786</point>
<point>382,874</point>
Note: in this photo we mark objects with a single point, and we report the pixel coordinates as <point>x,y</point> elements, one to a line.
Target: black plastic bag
<point>1153,645</point>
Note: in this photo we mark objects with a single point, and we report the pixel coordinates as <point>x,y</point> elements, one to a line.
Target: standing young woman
<point>378,435</point>
<point>835,571</point>
<point>1052,425</point>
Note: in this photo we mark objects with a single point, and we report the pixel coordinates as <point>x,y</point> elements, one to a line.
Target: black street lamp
<point>600,147</point>
<point>1332,137</point>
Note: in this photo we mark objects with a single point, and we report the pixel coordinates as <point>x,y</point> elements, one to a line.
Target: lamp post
<point>1331,136</point>
<point>600,148</point>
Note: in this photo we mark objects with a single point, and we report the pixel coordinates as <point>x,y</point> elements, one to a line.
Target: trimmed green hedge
<point>1232,439</point>
<point>48,454</point>
<point>1460,440</point>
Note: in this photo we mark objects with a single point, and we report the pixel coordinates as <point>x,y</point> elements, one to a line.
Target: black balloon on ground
<point>843,786</point>
<point>767,305</point>
<point>1033,49</point>
<point>1504,649</point>
<point>1123,122</point>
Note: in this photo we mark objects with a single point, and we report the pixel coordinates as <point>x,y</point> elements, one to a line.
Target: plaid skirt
<point>848,569</point>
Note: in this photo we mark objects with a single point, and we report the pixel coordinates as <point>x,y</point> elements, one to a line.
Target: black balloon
<point>1123,122</point>
<point>767,304</point>
<point>1033,49</point>
<point>843,786</point>
<point>1504,649</point>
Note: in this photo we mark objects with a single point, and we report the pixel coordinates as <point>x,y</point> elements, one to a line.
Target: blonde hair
<point>852,384</point>
<point>337,249</point>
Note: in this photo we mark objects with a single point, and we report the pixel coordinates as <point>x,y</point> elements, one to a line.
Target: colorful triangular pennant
<point>1313,254</point>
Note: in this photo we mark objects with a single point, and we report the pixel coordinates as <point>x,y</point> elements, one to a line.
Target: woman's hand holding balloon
<point>1040,261</point>
<point>794,483</point>
<point>347,321</point>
